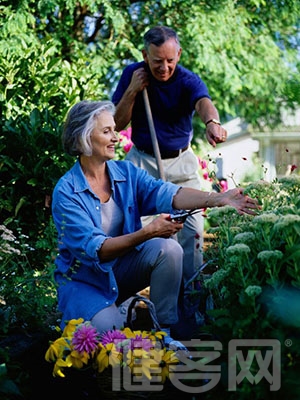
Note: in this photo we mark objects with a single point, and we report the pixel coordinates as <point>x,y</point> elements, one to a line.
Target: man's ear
<point>179,53</point>
<point>145,56</point>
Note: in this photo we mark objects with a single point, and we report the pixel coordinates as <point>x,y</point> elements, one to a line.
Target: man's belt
<point>165,153</point>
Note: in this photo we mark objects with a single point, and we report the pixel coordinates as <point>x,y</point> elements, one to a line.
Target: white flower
<point>267,255</point>
<point>239,248</point>
<point>253,290</point>
<point>244,237</point>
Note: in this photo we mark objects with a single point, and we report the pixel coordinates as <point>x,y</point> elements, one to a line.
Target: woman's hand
<point>243,203</point>
<point>162,226</point>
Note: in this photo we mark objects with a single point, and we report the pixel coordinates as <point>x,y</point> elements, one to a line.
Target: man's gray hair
<point>159,35</point>
<point>80,122</point>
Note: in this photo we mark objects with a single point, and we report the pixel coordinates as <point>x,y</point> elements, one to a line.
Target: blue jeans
<point>158,265</point>
<point>184,171</point>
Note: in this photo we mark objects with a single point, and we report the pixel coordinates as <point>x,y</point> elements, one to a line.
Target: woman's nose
<point>115,136</point>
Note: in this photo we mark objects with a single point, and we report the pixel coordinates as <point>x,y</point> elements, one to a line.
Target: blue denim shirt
<point>76,212</point>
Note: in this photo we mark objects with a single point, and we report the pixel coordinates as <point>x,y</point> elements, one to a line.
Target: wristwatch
<point>215,121</point>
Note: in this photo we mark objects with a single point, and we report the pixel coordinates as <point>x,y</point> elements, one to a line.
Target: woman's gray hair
<point>80,122</point>
<point>159,35</point>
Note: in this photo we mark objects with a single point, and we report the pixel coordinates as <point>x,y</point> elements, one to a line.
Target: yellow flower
<point>157,335</point>
<point>139,362</point>
<point>56,349</point>
<point>108,355</point>
<point>59,366</point>
<point>70,328</point>
<point>132,334</point>
<point>78,359</point>
<point>164,362</point>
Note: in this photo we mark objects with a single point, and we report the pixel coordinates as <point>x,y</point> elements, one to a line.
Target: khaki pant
<point>182,170</point>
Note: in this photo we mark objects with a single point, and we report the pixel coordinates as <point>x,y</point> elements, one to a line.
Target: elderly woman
<point>105,255</point>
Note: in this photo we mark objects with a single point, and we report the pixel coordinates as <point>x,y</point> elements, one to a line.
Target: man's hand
<point>206,110</point>
<point>215,134</point>
<point>124,108</point>
<point>139,80</point>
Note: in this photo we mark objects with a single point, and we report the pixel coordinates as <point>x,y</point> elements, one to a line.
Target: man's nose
<point>164,66</point>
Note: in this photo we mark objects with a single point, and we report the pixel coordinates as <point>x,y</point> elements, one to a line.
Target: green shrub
<point>256,286</point>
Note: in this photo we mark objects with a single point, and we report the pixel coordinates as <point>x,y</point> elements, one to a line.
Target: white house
<point>250,154</point>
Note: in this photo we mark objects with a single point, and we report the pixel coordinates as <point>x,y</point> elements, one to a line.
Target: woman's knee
<point>171,248</point>
<point>108,319</point>
<point>170,260</point>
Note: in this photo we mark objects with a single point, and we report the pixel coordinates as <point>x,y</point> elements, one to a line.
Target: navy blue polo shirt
<point>172,104</point>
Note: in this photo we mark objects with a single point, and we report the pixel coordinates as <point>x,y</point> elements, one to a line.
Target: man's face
<point>162,60</point>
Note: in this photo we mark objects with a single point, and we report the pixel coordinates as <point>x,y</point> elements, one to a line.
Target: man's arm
<point>124,108</point>
<point>209,115</point>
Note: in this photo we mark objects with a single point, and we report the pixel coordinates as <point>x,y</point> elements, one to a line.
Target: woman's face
<point>104,138</point>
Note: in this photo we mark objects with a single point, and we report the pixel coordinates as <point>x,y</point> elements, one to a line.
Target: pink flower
<point>205,175</point>
<point>112,337</point>
<point>127,147</point>
<point>140,342</point>
<point>293,167</point>
<point>86,338</point>
<point>224,185</point>
<point>126,133</point>
<point>203,164</point>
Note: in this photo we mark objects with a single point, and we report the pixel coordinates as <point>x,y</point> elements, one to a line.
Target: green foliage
<point>245,51</point>
<point>257,260</point>
<point>263,250</point>
<point>31,162</point>
<point>27,294</point>
<point>7,386</point>
<point>50,58</point>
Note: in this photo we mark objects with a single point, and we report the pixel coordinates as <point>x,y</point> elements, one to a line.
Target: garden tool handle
<point>153,135</point>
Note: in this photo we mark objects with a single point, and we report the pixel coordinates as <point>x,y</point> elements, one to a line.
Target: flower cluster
<point>125,139</point>
<point>80,345</point>
<point>219,185</point>
<point>125,144</point>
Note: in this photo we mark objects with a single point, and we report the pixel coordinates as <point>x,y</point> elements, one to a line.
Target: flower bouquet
<point>124,358</point>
